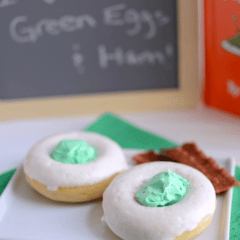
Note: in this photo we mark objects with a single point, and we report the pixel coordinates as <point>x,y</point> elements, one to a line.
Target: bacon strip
<point>190,155</point>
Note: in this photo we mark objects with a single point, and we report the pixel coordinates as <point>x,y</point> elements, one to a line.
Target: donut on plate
<point>183,220</point>
<point>74,181</point>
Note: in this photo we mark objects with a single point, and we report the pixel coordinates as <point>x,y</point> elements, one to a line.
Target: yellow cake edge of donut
<point>201,226</point>
<point>72,194</point>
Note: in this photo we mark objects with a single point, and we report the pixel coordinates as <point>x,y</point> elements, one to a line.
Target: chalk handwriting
<point>120,15</point>
<point>134,21</point>
<point>23,34</point>
<point>49,1</point>
<point>132,58</point>
<point>5,3</point>
<point>169,50</point>
<point>78,59</point>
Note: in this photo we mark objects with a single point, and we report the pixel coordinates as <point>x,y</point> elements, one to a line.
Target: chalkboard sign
<point>55,49</point>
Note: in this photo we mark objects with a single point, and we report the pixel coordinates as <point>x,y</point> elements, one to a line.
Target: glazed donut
<point>130,220</point>
<point>73,182</point>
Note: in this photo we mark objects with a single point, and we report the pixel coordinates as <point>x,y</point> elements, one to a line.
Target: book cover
<point>222,45</point>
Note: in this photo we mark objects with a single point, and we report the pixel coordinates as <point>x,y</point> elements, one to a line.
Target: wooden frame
<point>187,95</point>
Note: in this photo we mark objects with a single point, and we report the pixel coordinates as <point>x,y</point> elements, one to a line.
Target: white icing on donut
<point>130,220</point>
<point>40,166</point>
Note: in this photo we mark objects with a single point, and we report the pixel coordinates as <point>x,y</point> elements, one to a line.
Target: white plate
<point>24,214</point>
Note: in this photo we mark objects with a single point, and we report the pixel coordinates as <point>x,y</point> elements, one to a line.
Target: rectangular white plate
<point>24,214</point>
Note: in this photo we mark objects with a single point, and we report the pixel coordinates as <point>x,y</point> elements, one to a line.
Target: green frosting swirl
<point>73,151</point>
<point>164,189</point>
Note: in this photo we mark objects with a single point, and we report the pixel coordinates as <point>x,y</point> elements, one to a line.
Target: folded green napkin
<point>5,178</point>
<point>129,136</point>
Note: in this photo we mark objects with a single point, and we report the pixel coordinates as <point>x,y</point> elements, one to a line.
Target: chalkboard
<point>60,47</point>
<point>96,53</point>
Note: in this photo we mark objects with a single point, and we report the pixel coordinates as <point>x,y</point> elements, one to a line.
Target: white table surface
<point>217,133</point>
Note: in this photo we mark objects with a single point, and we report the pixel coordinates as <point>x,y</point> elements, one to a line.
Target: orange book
<point>222,44</point>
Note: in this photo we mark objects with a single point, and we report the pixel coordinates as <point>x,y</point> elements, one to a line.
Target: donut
<point>130,219</point>
<point>72,182</point>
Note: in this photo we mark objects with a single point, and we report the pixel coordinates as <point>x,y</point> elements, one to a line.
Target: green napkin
<point>5,178</point>
<point>235,212</point>
<point>130,136</point>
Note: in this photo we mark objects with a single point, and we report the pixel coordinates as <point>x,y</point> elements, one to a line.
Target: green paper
<point>128,135</point>
<point>164,189</point>
<point>73,151</point>
<point>235,211</point>
<point>5,178</point>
